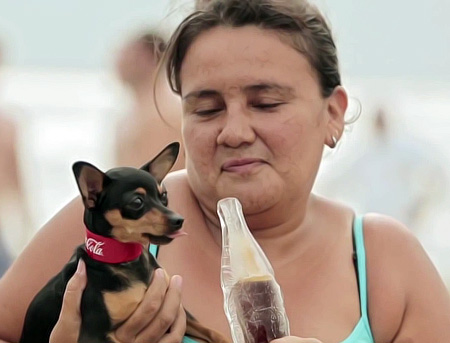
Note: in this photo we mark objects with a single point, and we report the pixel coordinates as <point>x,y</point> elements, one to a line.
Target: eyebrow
<point>204,93</point>
<point>268,87</point>
<point>259,87</point>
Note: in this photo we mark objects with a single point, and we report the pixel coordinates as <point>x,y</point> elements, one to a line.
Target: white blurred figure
<point>397,175</point>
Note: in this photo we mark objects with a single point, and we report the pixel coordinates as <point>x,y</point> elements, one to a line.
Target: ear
<point>90,182</point>
<point>337,106</point>
<point>161,164</point>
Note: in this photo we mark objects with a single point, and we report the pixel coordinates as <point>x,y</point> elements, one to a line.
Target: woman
<point>262,96</point>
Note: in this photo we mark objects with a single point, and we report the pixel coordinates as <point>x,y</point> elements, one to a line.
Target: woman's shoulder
<point>176,181</point>
<point>389,235</point>
<point>390,249</point>
<point>335,213</point>
<point>394,253</point>
<point>180,195</point>
<point>379,229</point>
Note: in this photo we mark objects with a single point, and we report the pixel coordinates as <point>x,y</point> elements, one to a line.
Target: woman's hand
<point>294,339</point>
<point>160,316</point>
<point>67,329</point>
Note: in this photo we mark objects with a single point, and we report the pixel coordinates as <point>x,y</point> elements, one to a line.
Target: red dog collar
<point>110,250</point>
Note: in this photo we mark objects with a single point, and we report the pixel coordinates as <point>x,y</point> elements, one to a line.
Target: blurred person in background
<point>200,4</point>
<point>14,217</point>
<point>8,182</point>
<point>150,125</point>
<point>396,174</point>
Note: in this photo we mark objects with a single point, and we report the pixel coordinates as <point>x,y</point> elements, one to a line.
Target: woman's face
<point>254,121</point>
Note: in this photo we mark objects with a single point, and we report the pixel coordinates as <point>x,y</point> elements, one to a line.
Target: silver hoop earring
<point>334,142</point>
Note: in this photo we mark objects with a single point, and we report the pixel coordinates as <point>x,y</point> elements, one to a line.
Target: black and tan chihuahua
<point>125,210</point>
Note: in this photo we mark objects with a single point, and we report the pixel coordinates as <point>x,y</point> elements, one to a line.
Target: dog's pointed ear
<point>161,164</point>
<point>90,182</point>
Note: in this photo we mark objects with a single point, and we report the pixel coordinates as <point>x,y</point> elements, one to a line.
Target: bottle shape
<point>253,301</point>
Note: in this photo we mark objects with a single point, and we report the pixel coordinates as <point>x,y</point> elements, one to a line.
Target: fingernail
<point>177,281</point>
<point>81,268</point>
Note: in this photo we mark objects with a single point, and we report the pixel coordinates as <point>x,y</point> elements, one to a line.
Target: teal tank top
<point>362,333</point>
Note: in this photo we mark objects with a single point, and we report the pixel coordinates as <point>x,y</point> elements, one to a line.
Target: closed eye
<point>268,106</point>
<point>208,112</point>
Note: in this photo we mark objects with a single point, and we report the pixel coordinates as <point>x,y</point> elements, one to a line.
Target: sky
<point>406,39</point>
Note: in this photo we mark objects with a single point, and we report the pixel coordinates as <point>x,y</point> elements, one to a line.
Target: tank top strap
<point>154,249</point>
<point>361,258</point>
<point>358,228</point>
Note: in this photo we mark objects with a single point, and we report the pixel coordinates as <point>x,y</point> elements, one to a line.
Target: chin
<point>255,200</point>
<point>257,205</point>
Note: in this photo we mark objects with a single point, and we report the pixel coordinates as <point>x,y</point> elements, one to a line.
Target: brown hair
<point>296,21</point>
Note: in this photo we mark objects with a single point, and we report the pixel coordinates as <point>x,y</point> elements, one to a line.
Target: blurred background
<point>63,97</point>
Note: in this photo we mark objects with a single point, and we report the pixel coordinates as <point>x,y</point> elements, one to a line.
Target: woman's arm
<point>159,317</point>
<point>408,300</point>
<point>427,312</point>
<point>45,255</point>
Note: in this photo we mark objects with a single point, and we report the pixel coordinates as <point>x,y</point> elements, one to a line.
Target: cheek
<point>287,145</point>
<point>199,141</point>
<point>285,136</point>
<point>296,145</point>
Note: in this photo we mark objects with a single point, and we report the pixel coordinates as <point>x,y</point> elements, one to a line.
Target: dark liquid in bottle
<point>257,303</point>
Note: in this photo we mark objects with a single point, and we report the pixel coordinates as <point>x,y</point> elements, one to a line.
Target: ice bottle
<point>253,301</point>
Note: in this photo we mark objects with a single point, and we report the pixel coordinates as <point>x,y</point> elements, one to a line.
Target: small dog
<point>125,209</point>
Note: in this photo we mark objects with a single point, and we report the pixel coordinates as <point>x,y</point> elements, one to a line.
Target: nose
<point>175,221</point>
<point>237,127</point>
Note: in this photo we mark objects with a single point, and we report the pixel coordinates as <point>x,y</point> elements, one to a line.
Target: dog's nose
<point>175,221</point>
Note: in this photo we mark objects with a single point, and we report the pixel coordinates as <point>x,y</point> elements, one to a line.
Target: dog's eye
<point>136,204</point>
<point>163,198</point>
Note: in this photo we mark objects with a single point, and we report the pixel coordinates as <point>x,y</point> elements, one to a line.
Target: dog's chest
<point>121,305</point>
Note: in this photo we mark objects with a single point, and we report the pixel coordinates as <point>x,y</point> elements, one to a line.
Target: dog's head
<point>129,204</point>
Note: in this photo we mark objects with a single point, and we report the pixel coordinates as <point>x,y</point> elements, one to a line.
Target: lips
<point>241,163</point>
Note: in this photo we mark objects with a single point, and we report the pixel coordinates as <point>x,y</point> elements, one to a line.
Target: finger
<point>68,325</point>
<point>147,310</point>
<point>166,316</point>
<point>177,330</point>
<point>70,311</point>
